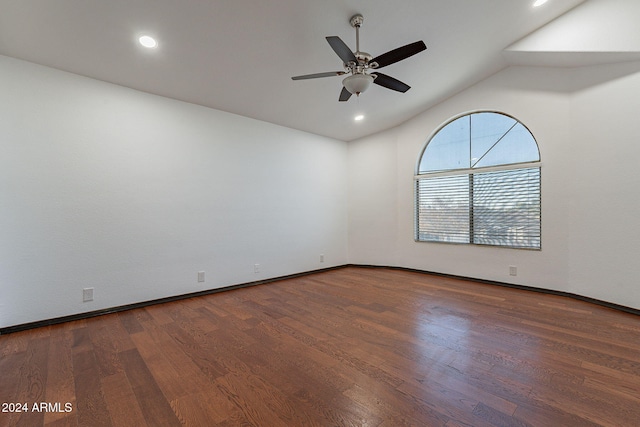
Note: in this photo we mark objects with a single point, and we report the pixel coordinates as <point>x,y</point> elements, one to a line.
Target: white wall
<point>604,204</point>
<point>133,194</point>
<point>585,122</point>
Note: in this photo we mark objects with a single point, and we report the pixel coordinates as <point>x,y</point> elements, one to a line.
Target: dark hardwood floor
<point>347,347</point>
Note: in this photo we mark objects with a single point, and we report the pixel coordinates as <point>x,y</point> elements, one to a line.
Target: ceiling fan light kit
<point>359,64</point>
<point>357,83</point>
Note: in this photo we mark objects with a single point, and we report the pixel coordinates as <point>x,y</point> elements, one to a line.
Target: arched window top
<point>478,140</point>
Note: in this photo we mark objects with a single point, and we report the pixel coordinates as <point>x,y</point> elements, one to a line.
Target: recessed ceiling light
<point>359,117</point>
<point>148,41</point>
<point>539,3</point>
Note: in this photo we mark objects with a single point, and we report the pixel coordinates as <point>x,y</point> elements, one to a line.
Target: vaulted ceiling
<point>239,56</point>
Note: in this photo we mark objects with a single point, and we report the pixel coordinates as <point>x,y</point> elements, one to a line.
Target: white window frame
<point>472,240</point>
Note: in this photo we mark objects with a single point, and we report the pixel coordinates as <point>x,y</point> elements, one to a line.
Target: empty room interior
<point>223,213</point>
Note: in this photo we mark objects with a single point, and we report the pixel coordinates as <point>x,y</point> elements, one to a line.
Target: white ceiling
<point>239,56</point>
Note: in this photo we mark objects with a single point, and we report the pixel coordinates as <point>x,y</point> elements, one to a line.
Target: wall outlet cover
<point>87,294</point>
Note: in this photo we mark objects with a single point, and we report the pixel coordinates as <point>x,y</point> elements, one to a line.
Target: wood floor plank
<point>152,402</point>
<point>121,401</point>
<point>104,349</point>
<point>15,343</point>
<point>624,383</point>
<point>169,380</point>
<point>129,322</point>
<point>60,381</point>
<point>192,379</point>
<point>197,410</point>
<point>90,404</point>
<point>10,369</point>
<point>69,420</point>
<point>494,417</point>
<point>33,377</point>
<point>346,347</point>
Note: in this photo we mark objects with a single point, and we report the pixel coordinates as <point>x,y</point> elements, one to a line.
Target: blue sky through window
<point>479,140</point>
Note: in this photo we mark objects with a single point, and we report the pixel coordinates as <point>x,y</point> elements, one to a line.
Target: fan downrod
<point>363,57</point>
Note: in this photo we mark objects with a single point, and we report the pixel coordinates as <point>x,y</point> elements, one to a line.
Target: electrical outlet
<point>513,270</point>
<point>321,257</point>
<point>87,294</point>
<point>256,268</point>
<point>200,276</point>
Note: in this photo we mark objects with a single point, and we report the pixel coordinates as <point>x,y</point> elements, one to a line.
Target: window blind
<point>486,208</point>
<point>443,209</point>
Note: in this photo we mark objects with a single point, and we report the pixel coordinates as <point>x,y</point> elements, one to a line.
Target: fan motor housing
<point>363,57</point>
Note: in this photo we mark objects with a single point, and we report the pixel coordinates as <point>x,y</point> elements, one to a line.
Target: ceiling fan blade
<point>390,83</point>
<point>344,95</point>
<point>317,75</point>
<point>398,54</point>
<point>341,49</point>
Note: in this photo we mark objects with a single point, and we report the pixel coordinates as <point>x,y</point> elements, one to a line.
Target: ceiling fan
<point>358,64</point>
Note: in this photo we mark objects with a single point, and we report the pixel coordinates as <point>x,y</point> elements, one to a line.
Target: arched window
<point>478,182</point>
